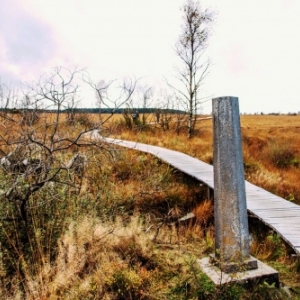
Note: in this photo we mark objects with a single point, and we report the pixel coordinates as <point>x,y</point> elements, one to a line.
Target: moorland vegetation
<point>108,227</point>
<point>82,219</point>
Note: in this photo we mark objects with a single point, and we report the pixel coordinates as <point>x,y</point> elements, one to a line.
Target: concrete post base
<point>232,267</point>
<point>262,273</point>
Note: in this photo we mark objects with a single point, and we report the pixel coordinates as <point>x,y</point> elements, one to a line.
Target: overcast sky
<point>254,47</point>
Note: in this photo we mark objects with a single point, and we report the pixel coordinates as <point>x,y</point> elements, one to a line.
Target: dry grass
<point>119,237</point>
<point>204,212</point>
<point>108,260</point>
<point>270,144</point>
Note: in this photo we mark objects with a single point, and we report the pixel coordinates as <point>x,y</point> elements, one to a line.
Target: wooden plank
<point>271,204</point>
<point>281,208</point>
<point>275,210</point>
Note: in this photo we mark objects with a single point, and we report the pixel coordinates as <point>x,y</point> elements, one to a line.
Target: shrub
<point>84,121</point>
<point>281,155</point>
<point>126,284</point>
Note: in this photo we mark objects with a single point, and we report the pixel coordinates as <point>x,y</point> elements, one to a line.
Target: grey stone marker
<point>231,261</point>
<point>231,221</point>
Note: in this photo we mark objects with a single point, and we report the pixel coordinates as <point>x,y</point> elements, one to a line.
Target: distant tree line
<point>96,110</point>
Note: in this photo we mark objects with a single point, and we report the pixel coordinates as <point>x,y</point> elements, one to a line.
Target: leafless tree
<point>145,94</point>
<point>8,97</point>
<point>35,155</point>
<point>45,165</point>
<point>111,95</point>
<point>194,67</point>
<point>168,112</point>
<point>164,110</point>
<point>101,88</point>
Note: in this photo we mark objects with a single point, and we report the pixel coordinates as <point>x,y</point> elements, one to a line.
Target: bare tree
<point>8,97</point>
<point>190,49</point>
<point>111,95</point>
<point>145,94</point>
<point>45,166</point>
<point>35,155</point>
<point>164,112</point>
<point>101,88</point>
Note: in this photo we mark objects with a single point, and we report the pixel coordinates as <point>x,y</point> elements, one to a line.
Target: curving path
<point>281,215</point>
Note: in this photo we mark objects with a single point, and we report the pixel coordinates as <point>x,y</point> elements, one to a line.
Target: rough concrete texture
<point>231,221</point>
<point>248,263</point>
<point>262,273</point>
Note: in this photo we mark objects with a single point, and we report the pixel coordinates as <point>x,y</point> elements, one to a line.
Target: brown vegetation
<point>270,144</point>
<point>119,235</point>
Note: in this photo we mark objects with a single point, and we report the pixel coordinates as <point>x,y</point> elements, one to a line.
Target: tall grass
<point>120,237</point>
<point>270,145</point>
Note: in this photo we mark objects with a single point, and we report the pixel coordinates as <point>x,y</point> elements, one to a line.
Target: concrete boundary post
<point>231,221</point>
<point>231,261</point>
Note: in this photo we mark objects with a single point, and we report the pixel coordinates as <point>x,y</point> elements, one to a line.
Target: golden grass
<point>204,212</point>
<point>121,240</point>
<point>98,260</point>
<point>270,144</point>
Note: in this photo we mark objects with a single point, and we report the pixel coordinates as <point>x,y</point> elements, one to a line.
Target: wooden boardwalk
<point>281,215</point>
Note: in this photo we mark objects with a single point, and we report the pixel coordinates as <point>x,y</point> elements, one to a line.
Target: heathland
<point>109,227</point>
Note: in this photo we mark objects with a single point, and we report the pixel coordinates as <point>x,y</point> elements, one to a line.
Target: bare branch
<point>190,48</point>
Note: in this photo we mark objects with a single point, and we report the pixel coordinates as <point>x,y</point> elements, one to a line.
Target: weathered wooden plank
<point>284,219</point>
<point>271,205</point>
<point>278,213</point>
<point>295,241</point>
<point>290,236</point>
<point>294,238</point>
<point>261,200</point>
<point>281,208</point>
<point>264,207</point>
